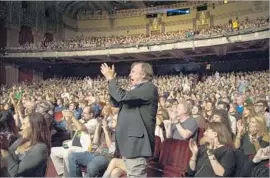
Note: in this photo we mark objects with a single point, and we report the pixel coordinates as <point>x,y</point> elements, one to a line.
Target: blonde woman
<point>248,112</point>
<point>255,138</point>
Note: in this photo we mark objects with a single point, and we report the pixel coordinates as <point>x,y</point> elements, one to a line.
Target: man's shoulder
<point>150,85</point>
<point>190,121</point>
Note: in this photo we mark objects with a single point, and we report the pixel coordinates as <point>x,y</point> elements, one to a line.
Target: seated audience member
<point>233,112</point>
<point>248,112</point>
<point>59,107</point>
<point>183,127</point>
<point>8,127</point>
<point>217,158</point>
<point>254,138</point>
<point>99,158</point>
<point>87,126</point>
<point>259,165</point>
<point>162,115</point>
<point>73,108</point>
<point>107,112</point>
<point>221,115</point>
<point>162,101</point>
<point>27,157</point>
<point>208,110</point>
<point>225,106</point>
<point>240,104</point>
<point>82,105</point>
<point>196,113</point>
<point>261,108</point>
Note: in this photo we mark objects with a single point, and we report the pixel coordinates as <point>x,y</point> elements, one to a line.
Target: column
<point>13,33</point>
<point>12,74</point>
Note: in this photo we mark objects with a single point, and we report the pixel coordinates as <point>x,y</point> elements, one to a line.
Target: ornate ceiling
<point>73,7</point>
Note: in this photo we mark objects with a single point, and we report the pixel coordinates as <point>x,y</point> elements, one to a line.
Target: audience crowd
<point>70,121</point>
<point>82,42</point>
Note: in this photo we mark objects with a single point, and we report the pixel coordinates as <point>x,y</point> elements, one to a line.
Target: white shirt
<point>86,138</point>
<point>233,124</point>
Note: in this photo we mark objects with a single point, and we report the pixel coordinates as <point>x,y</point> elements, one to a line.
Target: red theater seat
<point>173,160</point>
<point>50,171</point>
<point>200,134</point>
<point>157,147</point>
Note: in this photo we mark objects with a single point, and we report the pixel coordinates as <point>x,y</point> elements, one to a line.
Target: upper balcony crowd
<point>84,43</point>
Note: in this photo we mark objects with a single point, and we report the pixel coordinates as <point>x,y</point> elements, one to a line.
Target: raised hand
<point>240,126</point>
<point>193,147</point>
<point>262,154</point>
<point>104,123</point>
<point>107,72</point>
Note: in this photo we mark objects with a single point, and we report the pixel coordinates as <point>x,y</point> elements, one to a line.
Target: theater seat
<point>156,150</point>
<point>50,171</point>
<point>173,160</point>
<point>157,147</point>
<point>200,134</point>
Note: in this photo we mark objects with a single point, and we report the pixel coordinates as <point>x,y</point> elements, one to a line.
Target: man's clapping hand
<point>108,72</point>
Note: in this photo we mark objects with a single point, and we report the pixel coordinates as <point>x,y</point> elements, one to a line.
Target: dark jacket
<point>251,169</point>
<point>135,130</point>
<point>225,156</point>
<point>32,164</point>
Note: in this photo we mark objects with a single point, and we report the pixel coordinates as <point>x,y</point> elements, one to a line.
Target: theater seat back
<point>174,157</point>
<point>157,147</point>
<point>50,171</point>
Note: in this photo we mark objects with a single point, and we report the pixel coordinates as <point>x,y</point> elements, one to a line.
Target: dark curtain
<point>25,75</point>
<point>3,34</point>
<point>26,35</point>
<point>2,74</point>
<point>48,37</point>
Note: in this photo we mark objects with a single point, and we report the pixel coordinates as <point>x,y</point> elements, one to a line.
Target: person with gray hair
<point>135,130</point>
<point>182,126</point>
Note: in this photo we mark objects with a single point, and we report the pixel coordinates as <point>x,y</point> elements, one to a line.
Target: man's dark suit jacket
<point>135,130</point>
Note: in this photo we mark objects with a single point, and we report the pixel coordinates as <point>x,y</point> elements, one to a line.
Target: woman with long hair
<point>248,112</point>
<point>255,137</point>
<point>27,157</point>
<point>217,157</point>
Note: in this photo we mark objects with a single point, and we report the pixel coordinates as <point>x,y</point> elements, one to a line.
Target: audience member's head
<point>257,126</point>
<point>218,133</point>
<point>7,123</point>
<point>35,129</point>
<point>89,112</point>
<point>162,115</point>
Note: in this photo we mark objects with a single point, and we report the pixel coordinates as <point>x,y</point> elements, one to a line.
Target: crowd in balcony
<point>228,112</point>
<point>82,42</point>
